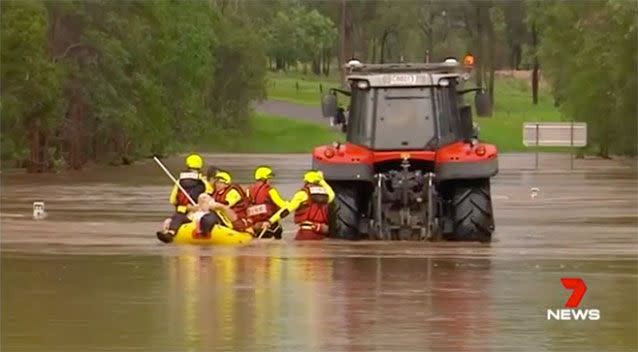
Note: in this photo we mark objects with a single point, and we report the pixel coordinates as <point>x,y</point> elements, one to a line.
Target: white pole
<point>168,173</point>
<point>263,231</point>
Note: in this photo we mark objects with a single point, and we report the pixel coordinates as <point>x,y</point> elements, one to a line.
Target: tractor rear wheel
<point>472,211</point>
<point>344,212</point>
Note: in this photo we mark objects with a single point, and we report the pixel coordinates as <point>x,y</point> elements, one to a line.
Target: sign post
<point>536,149</point>
<point>571,142</point>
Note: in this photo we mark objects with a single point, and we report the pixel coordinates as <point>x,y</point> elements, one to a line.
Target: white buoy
<point>38,211</point>
<point>533,192</point>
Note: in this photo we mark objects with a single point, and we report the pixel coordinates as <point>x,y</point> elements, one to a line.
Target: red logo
<point>579,288</point>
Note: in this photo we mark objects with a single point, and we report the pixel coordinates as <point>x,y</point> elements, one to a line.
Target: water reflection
<point>246,301</point>
<point>415,303</point>
<point>283,298</point>
<point>356,304</point>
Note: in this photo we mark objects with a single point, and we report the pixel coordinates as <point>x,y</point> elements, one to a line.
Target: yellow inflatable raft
<point>219,235</point>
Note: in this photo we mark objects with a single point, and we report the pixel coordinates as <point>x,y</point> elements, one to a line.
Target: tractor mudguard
<point>466,161</point>
<point>344,162</point>
<point>467,170</point>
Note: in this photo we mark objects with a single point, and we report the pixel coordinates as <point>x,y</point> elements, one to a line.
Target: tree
<point>516,31</point>
<point>589,52</point>
<point>99,81</point>
<point>31,101</point>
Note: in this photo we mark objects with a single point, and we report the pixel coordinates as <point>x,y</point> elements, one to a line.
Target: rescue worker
<point>194,183</point>
<point>231,194</point>
<point>264,202</point>
<point>310,205</point>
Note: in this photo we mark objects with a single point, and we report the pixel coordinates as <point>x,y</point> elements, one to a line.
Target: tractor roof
<point>438,67</point>
<point>406,74</point>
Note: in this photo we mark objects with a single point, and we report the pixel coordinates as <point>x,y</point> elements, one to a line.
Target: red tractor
<point>412,167</point>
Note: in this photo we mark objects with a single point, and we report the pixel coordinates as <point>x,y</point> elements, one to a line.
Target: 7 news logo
<point>578,287</point>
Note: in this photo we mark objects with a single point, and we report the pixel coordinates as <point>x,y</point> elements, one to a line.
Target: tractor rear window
<point>404,118</point>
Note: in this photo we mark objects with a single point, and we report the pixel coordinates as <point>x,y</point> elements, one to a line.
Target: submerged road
<point>92,276</point>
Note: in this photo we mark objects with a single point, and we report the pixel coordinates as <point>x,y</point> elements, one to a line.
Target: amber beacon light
<point>468,60</point>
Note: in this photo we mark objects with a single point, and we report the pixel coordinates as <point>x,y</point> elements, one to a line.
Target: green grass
<point>272,134</point>
<point>513,106</point>
<point>297,88</point>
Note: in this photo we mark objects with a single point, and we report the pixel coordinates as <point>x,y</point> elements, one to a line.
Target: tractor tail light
<point>480,150</point>
<point>329,153</point>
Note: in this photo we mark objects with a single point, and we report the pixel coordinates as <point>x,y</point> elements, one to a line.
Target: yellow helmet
<point>312,176</point>
<point>223,176</point>
<point>194,161</point>
<point>263,173</point>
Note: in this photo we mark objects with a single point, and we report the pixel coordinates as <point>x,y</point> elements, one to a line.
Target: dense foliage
<point>590,53</point>
<point>107,81</point>
<point>100,81</point>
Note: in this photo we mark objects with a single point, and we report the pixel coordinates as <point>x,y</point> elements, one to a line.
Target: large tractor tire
<point>344,213</point>
<point>472,211</point>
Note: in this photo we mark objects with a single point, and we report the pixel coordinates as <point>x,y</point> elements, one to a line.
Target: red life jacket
<point>240,207</point>
<point>261,205</point>
<point>192,184</point>
<point>315,209</point>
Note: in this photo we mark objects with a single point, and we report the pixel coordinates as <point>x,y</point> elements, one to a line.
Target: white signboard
<point>555,134</point>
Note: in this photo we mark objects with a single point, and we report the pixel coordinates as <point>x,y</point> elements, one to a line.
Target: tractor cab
<point>408,106</point>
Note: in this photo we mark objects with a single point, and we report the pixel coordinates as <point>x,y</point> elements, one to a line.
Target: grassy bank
<point>272,134</point>
<point>513,105</point>
<point>298,88</point>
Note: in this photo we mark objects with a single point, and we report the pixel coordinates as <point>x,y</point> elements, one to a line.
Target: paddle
<point>168,173</point>
<point>263,231</point>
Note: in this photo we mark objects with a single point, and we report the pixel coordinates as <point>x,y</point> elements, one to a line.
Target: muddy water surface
<point>92,277</point>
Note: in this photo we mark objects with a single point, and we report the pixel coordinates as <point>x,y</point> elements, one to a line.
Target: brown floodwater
<point>93,277</point>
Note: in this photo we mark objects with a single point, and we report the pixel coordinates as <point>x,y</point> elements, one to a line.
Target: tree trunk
<point>374,51</point>
<point>382,48</point>
<point>479,58</point>
<point>36,143</point>
<point>518,53</point>
<point>327,57</point>
<point>362,53</point>
<point>316,65</point>
<point>491,37</point>
<point>535,64</point>
<point>76,116</point>
<point>430,33</point>
<point>345,41</point>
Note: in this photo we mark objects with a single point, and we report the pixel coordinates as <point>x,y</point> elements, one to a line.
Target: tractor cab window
<point>360,122</point>
<point>404,118</point>
<point>451,125</point>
